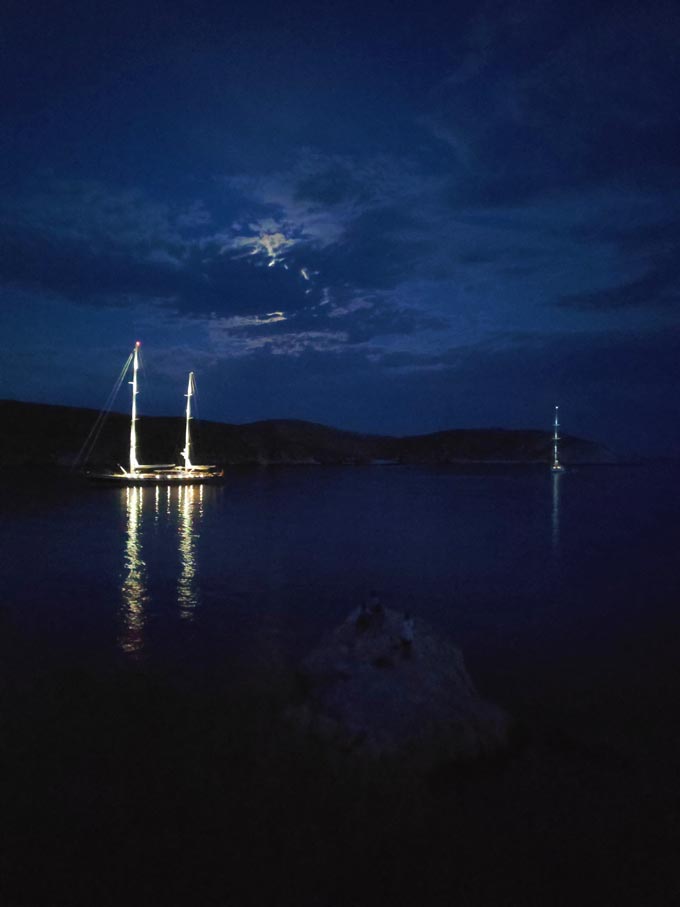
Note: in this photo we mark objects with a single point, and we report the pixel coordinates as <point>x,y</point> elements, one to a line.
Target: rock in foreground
<point>371,690</point>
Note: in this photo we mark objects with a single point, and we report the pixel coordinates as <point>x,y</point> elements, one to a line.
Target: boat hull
<point>160,479</point>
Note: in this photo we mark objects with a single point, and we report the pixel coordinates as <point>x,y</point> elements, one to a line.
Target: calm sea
<point>149,638</point>
<point>532,574</point>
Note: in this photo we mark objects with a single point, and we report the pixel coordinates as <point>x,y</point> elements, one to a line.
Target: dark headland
<point>45,435</point>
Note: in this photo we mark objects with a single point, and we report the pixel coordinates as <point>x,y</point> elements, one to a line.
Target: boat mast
<point>186,453</point>
<point>556,438</point>
<point>134,464</point>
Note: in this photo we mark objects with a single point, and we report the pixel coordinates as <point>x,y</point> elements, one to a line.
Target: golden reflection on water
<point>190,508</point>
<point>186,505</point>
<point>133,590</point>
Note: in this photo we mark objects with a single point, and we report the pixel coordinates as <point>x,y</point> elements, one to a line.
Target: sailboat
<point>556,465</point>
<point>162,473</point>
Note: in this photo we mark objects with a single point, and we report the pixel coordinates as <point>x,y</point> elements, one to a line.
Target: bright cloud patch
<point>227,343</point>
<point>268,240</point>
<point>247,321</point>
<point>355,305</point>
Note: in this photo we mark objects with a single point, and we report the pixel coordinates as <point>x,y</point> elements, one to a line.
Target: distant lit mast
<point>556,465</point>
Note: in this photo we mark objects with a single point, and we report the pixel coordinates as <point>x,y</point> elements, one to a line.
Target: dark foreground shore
<point>121,785</point>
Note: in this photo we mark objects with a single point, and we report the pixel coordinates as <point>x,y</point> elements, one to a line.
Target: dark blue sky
<point>383,217</point>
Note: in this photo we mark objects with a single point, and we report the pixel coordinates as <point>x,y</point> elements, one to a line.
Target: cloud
<point>99,246</point>
<point>654,249</point>
<point>267,239</point>
<point>89,211</point>
<point>658,287</point>
<point>549,98</point>
<point>228,343</point>
<point>241,321</point>
<point>102,248</point>
<point>72,267</point>
<point>354,305</point>
<point>375,244</point>
<point>317,203</point>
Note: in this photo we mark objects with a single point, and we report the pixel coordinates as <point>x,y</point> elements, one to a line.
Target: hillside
<point>41,434</point>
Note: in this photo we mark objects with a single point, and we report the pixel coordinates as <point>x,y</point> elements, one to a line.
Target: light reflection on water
<point>134,587</point>
<point>161,558</point>
<point>555,515</point>
<point>184,508</point>
<point>277,558</point>
<point>190,507</point>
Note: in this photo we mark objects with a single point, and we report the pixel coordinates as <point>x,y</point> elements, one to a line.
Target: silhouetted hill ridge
<point>45,434</point>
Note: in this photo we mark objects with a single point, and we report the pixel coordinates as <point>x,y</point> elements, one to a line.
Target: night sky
<point>384,217</point>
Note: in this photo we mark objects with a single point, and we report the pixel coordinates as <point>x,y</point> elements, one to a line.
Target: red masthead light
<point>139,343</point>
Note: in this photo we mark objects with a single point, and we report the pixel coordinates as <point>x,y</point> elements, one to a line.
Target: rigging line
<point>96,429</point>
<point>148,388</point>
<point>147,385</point>
<point>86,449</point>
<point>196,414</point>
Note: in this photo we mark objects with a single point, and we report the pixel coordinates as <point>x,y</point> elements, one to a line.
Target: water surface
<point>151,639</point>
<point>518,565</point>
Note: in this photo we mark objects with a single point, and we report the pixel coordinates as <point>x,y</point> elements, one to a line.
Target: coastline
<point>52,435</point>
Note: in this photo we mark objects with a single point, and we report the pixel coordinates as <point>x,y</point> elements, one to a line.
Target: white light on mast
<point>556,438</point>
<point>186,453</point>
<point>134,464</point>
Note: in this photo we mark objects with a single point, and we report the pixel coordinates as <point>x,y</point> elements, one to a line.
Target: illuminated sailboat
<point>556,465</point>
<point>163,473</point>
